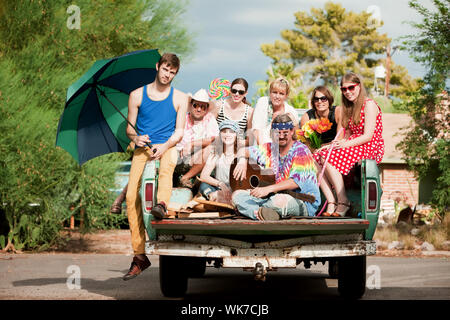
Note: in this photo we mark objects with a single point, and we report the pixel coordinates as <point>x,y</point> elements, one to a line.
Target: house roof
<point>392,135</point>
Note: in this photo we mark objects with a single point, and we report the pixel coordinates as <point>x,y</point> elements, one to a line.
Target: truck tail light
<point>372,198</point>
<point>148,196</point>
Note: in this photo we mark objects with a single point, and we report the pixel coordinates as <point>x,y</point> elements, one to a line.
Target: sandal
<point>343,213</point>
<point>329,214</point>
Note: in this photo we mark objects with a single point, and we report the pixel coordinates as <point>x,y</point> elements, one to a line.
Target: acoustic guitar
<point>260,177</point>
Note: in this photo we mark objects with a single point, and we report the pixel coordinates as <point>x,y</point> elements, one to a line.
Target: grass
<point>436,234</point>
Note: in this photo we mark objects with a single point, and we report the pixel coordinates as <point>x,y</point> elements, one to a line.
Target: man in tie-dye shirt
<point>293,166</point>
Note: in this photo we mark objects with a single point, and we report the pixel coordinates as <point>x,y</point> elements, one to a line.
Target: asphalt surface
<point>99,277</point>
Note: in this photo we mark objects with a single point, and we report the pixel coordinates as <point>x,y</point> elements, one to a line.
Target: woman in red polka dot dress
<point>361,118</point>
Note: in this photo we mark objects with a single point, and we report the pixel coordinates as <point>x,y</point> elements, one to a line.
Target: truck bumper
<point>274,254</point>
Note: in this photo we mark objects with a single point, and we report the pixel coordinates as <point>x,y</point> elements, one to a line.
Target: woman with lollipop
<point>235,107</point>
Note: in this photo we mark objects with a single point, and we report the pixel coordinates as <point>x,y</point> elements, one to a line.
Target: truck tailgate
<point>298,226</point>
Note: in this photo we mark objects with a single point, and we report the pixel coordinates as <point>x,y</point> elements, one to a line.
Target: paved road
<point>53,276</point>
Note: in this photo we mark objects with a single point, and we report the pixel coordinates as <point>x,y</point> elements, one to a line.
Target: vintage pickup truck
<point>187,245</point>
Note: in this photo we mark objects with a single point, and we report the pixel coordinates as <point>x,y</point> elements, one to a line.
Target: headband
<point>282,125</point>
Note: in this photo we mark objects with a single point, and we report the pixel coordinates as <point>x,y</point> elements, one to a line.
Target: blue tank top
<point>157,119</point>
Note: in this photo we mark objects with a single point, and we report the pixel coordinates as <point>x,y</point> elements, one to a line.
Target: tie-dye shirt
<point>297,164</point>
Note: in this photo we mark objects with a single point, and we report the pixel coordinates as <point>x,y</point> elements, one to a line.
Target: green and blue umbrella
<point>94,120</point>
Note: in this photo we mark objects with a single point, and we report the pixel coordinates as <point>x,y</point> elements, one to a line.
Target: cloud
<point>230,34</point>
<point>263,16</point>
<point>218,57</point>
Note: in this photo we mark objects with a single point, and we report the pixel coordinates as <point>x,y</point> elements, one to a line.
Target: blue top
<point>157,119</point>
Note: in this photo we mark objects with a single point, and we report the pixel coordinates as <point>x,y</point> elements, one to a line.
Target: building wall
<point>399,184</point>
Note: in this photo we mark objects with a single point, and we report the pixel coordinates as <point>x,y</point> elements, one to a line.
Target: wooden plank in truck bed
<point>249,227</point>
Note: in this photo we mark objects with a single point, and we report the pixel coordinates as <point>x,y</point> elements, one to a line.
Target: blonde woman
<point>268,108</point>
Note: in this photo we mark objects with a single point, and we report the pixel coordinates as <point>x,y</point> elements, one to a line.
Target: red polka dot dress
<point>344,159</point>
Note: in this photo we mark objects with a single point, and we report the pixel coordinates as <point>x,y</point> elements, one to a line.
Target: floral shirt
<point>297,164</point>
<point>206,128</point>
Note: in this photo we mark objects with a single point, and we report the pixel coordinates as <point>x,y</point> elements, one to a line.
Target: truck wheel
<point>173,277</point>
<point>196,267</point>
<point>333,269</point>
<point>352,277</point>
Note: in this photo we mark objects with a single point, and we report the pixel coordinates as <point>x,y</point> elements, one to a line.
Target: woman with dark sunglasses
<point>361,117</point>
<point>235,107</point>
<point>322,107</point>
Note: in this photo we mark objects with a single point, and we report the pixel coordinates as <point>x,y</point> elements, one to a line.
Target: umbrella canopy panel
<point>93,122</point>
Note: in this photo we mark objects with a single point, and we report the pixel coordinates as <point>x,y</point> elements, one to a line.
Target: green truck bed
<point>186,246</point>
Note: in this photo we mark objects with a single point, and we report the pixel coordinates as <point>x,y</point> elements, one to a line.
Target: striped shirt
<point>242,123</point>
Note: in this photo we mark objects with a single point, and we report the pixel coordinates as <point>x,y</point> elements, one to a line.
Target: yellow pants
<point>134,211</point>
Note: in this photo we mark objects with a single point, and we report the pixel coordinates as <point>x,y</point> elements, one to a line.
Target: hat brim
<point>198,100</point>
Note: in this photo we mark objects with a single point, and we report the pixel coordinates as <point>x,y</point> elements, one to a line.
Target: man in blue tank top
<point>158,111</point>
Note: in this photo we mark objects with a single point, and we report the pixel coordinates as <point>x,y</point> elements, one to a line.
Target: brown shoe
<point>137,266</point>
<point>267,214</point>
<point>159,211</point>
<point>116,208</point>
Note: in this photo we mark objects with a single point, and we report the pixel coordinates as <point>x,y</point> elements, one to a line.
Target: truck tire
<point>333,269</point>
<point>196,267</point>
<point>173,278</point>
<point>352,277</point>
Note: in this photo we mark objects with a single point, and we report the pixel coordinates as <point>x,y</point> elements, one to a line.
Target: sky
<point>229,34</point>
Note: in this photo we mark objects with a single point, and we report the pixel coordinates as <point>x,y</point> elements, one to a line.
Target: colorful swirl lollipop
<point>219,88</point>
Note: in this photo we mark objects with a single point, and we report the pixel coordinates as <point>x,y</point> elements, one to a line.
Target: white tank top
<point>223,170</point>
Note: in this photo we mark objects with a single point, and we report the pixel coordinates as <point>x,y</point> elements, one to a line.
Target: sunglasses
<point>196,105</point>
<point>282,133</point>
<point>322,98</point>
<point>349,88</point>
<point>234,91</point>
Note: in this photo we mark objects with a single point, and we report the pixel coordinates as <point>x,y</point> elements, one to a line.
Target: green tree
<point>426,146</point>
<point>329,42</point>
<point>296,97</point>
<point>39,58</point>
